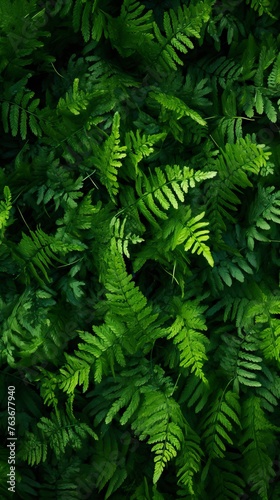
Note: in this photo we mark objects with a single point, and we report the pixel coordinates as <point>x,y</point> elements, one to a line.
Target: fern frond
<point>168,187</point>
<point>129,323</point>
<point>123,393</point>
<point>269,392</point>
<point>75,373</point>
<point>75,100</point>
<point>60,187</point>
<point>5,209</point>
<point>130,32</point>
<point>256,439</point>
<point>225,478</point>
<point>195,88</point>
<point>226,270</point>
<point>229,130</point>
<point>109,463</point>
<point>219,422</point>
<point>122,290</point>
<point>123,240</point>
<point>270,339</point>
<point>236,303</point>
<point>34,449</point>
<point>21,112</point>
<point>143,492</point>
<point>108,159</point>
<point>273,79</point>
<point>262,6</point>
<point>130,396</point>
<point>233,26</point>
<point>194,235</point>
<point>178,33</point>
<point>261,318</point>
<point>183,231</point>
<point>131,13</point>
<point>137,304</point>
<point>265,208</point>
<point>140,146</point>
<point>189,461</point>
<point>89,18</point>
<point>21,38</point>
<point>186,334</point>
<point>251,97</point>
<point>48,390</point>
<point>107,346</point>
<point>163,428</point>
<point>23,323</point>
<point>222,70</point>
<point>78,218</point>
<point>235,165</point>
<point>66,480</point>
<point>177,106</point>
<point>109,80</point>
<point>239,359</point>
<point>38,251</point>
<point>60,431</point>
<point>126,397</point>
<point>195,392</point>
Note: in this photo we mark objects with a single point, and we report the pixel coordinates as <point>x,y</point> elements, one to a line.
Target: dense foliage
<point>139,256</point>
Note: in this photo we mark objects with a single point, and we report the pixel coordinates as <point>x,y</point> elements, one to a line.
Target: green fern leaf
<point>75,100</point>
<point>186,334</point>
<point>239,359</point>
<point>265,208</point>
<point>223,70</point>
<point>179,108</point>
<point>227,483</point>
<point>5,209</point>
<point>60,431</point>
<point>109,159</point>
<point>130,31</point>
<point>269,391</point>
<point>196,235</point>
<point>36,251</point>
<point>33,449</point>
<point>274,76</point>
<point>195,392</point>
<point>219,423</point>
<point>262,6</point>
<point>178,33</point>
<point>256,439</point>
<point>235,166</point>
<point>129,323</point>
<point>140,147</point>
<point>123,240</point>
<point>168,187</point>
<point>20,113</point>
<point>189,461</point>
<point>162,427</point>
<point>76,373</point>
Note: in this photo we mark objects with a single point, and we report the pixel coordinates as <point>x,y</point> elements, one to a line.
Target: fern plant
<point>139,262</point>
